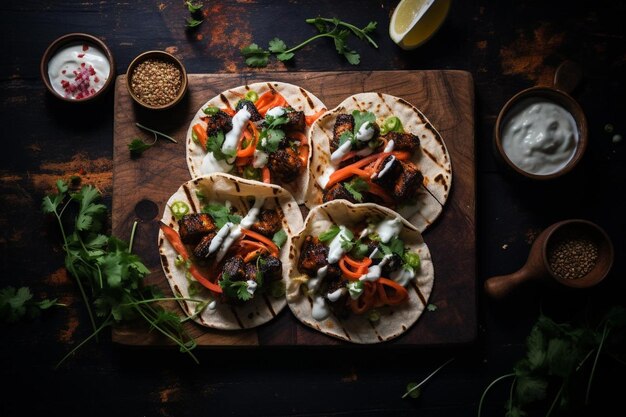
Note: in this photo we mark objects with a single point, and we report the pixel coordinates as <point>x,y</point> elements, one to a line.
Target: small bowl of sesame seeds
<point>156,80</point>
<point>577,253</point>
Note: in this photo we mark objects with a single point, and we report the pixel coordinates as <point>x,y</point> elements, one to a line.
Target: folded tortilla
<point>432,158</point>
<point>299,98</point>
<point>394,320</point>
<point>219,188</point>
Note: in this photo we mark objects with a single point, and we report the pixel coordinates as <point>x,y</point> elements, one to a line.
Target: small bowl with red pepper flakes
<point>77,67</point>
<point>156,80</point>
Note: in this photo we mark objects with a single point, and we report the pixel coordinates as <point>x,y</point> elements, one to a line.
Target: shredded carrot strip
<point>251,256</point>
<point>265,174</point>
<point>257,236</point>
<point>229,111</point>
<point>348,171</point>
<point>351,275</point>
<point>200,132</point>
<point>269,100</point>
<point>365,262</point>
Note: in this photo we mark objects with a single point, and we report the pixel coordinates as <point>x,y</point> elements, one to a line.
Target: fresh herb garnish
<point>394,246</point>
<point>234,289</point>
<point>221,214</point>
<point>360,118</point>
<point>255,55</point>
<point>431,307</point>
<point>18,303</point>
<point>138,146</point>
<point>280,238</point>
<point>195,9</point>
<point>269,140</point>
<point>359,250</point>
<point>214,145</point>
<point>104,267</point>
<point>333,28</point>
<point>555,362</point>
<point>356,186</point>
<point>329,234</point>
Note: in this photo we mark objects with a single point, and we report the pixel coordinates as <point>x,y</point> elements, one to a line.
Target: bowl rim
<point>584,281</point>
<point>565,100</point>
<point>71,38</point>
<point>164,54</point>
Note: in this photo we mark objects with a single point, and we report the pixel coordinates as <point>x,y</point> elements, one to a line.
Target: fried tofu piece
<point>344,123</point>
<point>235,268</point>
<point>338,192</point>
<point>285,164</point>
<point>255,116</point>
<point>268,223</point>
<point>408,182</point>
<point>271,267</point>
<point>388,172</point>
<point>313,256</point>
<point>296,121</point>
<point>192,227</point>
<point>219,122</point>
<point>202,248</point>
<point>403,141</point>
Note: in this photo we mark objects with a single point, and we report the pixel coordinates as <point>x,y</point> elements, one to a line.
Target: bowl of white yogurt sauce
<point>541,132</point>
<point>77,67</point>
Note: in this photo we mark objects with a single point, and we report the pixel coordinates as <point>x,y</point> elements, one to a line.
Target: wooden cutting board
<point>142,186</point>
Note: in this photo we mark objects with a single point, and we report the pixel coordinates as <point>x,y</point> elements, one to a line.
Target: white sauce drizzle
<point>210,164</point>
<point>313,283</point>
<point>212,305</point>
<point>387,166</point>
<point>374,271</point>
<point>365,133</point>
<point>336,295</point>
<point>230,232</point>
<point>219,237</point>
<point>276,111</point>
<point>260,159</point>
<point>341,151</point>
<point>320,309</point>
<point>335,251</point>
<point>231,140</point>
<point>388,229</point>
<point>389,146</point>
<point>403,275</point>
<point>252,285</point>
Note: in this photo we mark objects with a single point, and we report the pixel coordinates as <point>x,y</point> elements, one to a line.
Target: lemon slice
<point>413,22</point>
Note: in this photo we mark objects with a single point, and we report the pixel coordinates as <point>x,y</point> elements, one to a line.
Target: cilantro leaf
<point>90,213</point>
<point>214,145</point>
<point>62,186</point>
<point>255,55</point>
<point>360,118</point>
<point>276,45</point>
<point>242,292</point>
<point>355,187</point>
<point>192,23</point>
<point>394,246</point>
<point>529,389</point>
<point>329,234</point>
<point>280,238</point>
<point>347,136</point>
<point>17,303</point>
<point>138,146</point>
<point>269,140</point>
<point>431,307</point>
<point>360,250</point>
<point>234,289</point>
<point>193,7</point>
<point>285,56</point>
<point>221,214</point>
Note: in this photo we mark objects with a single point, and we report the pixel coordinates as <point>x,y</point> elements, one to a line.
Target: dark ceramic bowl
<point>159,56</point>
<point>566,78</point>
<point>70,39</point>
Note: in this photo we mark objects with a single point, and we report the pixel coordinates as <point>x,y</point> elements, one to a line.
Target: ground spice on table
<point>572,256</point>
<point>156,82</point>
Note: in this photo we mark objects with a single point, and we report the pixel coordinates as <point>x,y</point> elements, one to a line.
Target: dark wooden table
<point>507,46</point>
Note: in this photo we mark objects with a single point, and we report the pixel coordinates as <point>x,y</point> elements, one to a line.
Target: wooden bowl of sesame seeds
<point>575,253</point>
<point>156,80</point>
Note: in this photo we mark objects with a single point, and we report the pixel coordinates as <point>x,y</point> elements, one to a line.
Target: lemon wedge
<point>413,22</point>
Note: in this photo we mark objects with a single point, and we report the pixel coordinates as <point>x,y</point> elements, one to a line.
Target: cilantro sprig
<point>18,303</point>
<point>561,359</point>
<point>333,28</point>
<point>105,268</point>
<point>137,146</point>
<point>356,187</point>
<point>234,289</point>
<point>221,214</point>
<point>195,11</point>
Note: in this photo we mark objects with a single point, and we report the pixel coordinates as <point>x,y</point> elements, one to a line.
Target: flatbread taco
<point>223,245</point>
<point>377,148</point>
<point>257,132</point>
<point>360,273</point>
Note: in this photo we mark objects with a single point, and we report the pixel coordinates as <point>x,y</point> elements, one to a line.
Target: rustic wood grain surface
<point>505,45</point>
